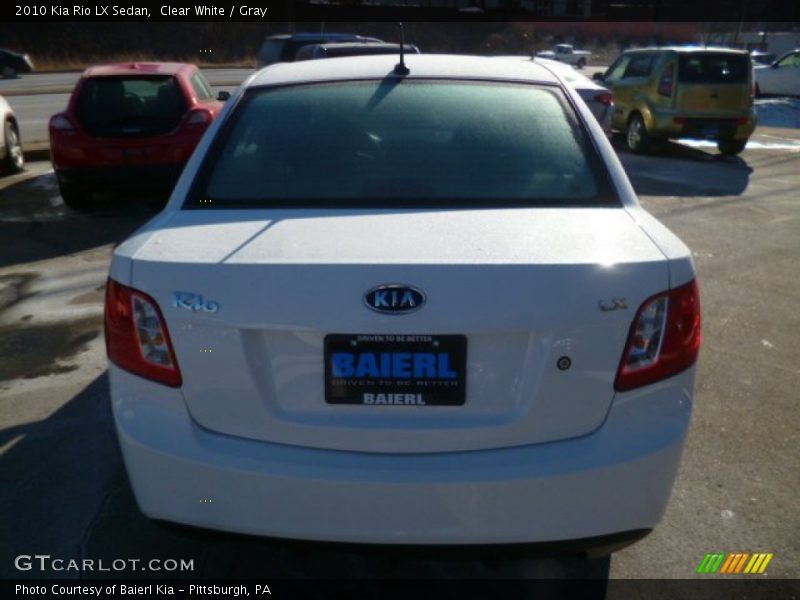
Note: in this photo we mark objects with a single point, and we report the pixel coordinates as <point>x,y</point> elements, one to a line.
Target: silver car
<point>781,78</point>
<point>12,160</point>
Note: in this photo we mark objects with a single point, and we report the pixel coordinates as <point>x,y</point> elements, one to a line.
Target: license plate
<point>710,132</point>
<point>134,155</point>
<point>395,370</point>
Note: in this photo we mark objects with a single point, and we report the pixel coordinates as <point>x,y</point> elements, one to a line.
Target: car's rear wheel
<point>731,147</point>
<point>581,63</point>
<point>8,72</point>
<point>74,195</point>
<point>14,160</point>
<point>637,138</point>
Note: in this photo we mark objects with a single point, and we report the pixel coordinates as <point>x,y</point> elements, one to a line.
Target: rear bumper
<point>614,482</point>
<point>708,127</point>
<point>100,159</point>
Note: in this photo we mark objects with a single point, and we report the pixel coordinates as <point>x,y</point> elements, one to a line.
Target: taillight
<point>61,124</point>
<point>137,339</point>
<point>665,83</point>
<point>679,120</point>
<point>664,339</point>
<point>199,116</point>
<point>742,121</point>
<point>604,98</point>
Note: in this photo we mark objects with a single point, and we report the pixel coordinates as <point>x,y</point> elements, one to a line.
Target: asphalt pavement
<point>62,477</point>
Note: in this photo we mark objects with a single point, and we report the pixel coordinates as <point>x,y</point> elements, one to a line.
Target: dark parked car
<point>133,124</point>
<point>12,63</point>
<point>337,50</point>
<point>284,47</point>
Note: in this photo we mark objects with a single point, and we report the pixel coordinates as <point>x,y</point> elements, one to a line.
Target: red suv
<point>127,125</point>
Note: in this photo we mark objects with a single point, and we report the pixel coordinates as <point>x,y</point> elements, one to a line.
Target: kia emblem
<point>394,299</point>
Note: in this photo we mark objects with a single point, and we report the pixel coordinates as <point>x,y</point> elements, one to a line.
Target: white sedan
<point>415,305</point>
<point>781,78</point>
<point>12,158</point>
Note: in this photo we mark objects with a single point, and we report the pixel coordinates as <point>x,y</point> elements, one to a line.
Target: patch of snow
<point>778,112</point>
<point>46,180</point>
<point>751,144</point>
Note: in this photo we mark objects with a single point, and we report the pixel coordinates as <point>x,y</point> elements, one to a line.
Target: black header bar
<point>32,11</point>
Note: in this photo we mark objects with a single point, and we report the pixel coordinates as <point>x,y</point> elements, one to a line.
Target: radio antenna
<point>401,68</point>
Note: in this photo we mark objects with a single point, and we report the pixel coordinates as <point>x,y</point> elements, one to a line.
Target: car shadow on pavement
<point>36,225</point>
<point>674,169</point>
<point>64,481</point>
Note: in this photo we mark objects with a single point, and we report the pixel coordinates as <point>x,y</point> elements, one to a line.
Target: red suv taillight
<point>137,339</point>
<point>199,117</point>
<point>604,98</point>
<point>664,339</point>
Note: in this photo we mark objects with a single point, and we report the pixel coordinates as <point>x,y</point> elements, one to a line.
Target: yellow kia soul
<point>689,92</point>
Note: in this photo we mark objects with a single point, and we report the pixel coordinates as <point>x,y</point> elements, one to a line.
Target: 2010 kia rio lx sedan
<point>392,307</point>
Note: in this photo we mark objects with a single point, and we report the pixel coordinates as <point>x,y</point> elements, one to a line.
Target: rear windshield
<point>414,143</point>
<point>713,68</point>
<point>130,106</point>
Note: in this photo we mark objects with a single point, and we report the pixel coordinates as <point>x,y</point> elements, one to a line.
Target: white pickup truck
<point>567,54</point>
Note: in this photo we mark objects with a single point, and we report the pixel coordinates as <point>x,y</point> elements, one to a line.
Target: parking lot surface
<point>62,475</point>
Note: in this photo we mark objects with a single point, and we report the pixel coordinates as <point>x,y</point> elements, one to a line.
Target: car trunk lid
<point>526,288</point>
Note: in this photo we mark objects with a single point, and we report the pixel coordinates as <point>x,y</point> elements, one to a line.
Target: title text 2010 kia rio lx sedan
<point>416,308</point>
